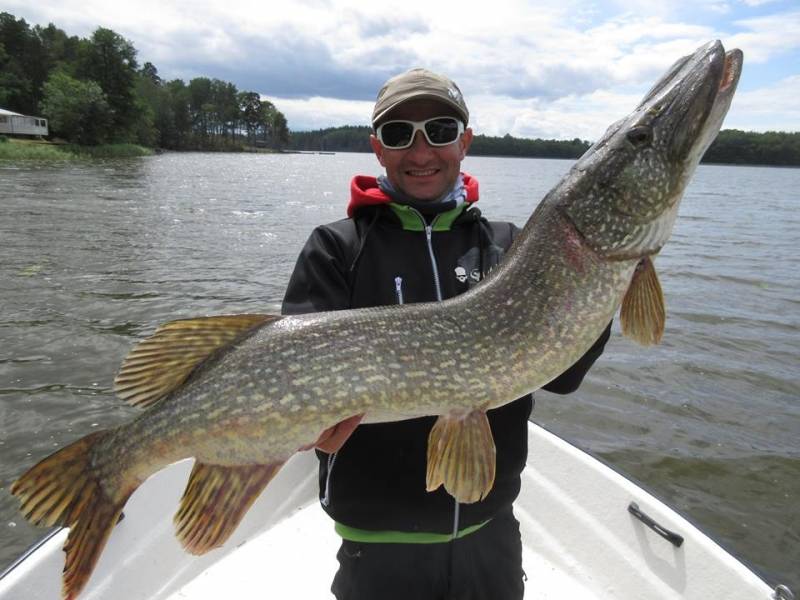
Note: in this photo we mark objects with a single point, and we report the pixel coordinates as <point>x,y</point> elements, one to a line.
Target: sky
<point>558,69</point>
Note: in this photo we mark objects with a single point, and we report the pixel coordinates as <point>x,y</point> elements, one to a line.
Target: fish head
<point>623,193</point>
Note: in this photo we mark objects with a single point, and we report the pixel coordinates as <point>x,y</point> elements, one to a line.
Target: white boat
<point>588,533</point>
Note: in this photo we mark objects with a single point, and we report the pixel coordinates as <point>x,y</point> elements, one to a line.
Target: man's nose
<point>420,145</point>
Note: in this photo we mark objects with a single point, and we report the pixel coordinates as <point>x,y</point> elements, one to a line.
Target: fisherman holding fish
<point>416,235</point>
<point>241,394</point>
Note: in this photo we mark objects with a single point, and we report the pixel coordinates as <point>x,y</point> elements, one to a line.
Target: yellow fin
<point>642,314</point>
<point>461,455</point>
<point>162,362</point>
<point>62,490</point>
<point>215,500</point>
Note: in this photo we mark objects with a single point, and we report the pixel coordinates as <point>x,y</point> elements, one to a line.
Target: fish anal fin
<point>61,490</point>
<point>215,501</point>
<point>461,456</point>
<point>333,438</point>
<point>642,314</point>
<point>162,362</point>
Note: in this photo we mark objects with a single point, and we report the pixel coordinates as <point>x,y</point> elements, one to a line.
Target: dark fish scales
<point>242,393</point>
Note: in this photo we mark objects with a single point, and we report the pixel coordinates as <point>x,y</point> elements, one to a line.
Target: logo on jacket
<point>462,276</point>
<point>468,269</point>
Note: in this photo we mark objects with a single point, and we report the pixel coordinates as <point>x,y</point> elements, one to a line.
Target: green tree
<point>200,107</point>
<point>225,112</point>
<point>110,60</point>
<point>77,110</point>
<point>28,58</point>
<point>250,114</point>
<point>266,117</point>
<point>158,126</point>
<point>280,130</point>
<point>180,134</point>
<point>16,85</point>
<point>150,73</point>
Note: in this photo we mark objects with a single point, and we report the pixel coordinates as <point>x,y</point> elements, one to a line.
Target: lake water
<point>94,255</point>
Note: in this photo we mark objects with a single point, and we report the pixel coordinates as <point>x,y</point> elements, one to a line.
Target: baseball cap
<point>415,84</point>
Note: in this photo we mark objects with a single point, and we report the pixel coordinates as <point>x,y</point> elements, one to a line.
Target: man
<point>415,235</point>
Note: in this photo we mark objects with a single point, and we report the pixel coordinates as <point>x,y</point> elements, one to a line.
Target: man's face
<point>422,171</point>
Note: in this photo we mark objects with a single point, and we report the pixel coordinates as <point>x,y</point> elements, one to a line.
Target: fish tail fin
<point>215,501</point>
<point>63,490</point>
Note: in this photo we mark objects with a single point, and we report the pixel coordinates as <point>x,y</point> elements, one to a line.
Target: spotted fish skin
<point>533,317</point>
<point>241,394</point>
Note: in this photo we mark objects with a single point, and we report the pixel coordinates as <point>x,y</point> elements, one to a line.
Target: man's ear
<point>465,141</point>
<point>377,148</point>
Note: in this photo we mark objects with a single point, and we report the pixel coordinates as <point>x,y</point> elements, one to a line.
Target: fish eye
<point>640,135</point>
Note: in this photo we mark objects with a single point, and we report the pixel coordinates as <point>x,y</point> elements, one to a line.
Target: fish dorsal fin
<point>461,455</point>
<point>162,362</point>
<point>215,500</point>
<point>642,314</point>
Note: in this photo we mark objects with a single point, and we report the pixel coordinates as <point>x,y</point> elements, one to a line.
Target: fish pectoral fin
<point>461,455</point>
<point>333,438</point>
<point>215,501</point>
<point>642,314</point>
<point>162,362</point>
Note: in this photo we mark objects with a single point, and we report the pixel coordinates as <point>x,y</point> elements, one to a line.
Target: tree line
<point>777,148</point>
<point>93,91</point>
<point>352,138</point>
<point>731,146</point>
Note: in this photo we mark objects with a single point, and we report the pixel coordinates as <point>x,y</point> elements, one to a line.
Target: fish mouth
<point>640,168</point>
<point>728,69</point>
<point>732,69</point>
<point>687,106</point>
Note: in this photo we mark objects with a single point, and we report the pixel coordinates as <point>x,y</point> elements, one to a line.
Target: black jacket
<point>384,256</point>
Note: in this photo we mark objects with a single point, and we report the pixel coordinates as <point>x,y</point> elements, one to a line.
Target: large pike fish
<point>241,394</point>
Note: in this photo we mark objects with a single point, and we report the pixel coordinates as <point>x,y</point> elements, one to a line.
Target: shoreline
<point>24,149</point>
<point>20,149</point>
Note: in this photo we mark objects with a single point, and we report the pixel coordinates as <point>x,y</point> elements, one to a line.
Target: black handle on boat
<point>668,535</point>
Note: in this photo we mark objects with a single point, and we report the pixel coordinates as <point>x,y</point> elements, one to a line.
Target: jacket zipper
<point>326,498</point>
<point>429,239</point>
<point>398,289</point>
<point>436,281</point>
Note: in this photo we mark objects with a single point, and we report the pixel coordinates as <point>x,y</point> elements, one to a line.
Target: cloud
<point>768,36</point>
<point>553,68</point>
<point>584,116</point>
<point>318,112</point>
<point>758,2</point>
<point>770,108</point>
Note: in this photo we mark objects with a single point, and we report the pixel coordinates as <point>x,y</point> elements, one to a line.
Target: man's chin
<point>424,192</point>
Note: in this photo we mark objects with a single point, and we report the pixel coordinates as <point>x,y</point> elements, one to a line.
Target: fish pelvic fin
<point>62,490</point>
<point>162,362</point>
<point>215,501</point>
<point>642,314</point>
<point>461,455</point>
<point>333,438</point>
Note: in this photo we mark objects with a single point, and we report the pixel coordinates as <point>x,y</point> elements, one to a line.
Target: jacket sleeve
<point>319,281</point>
<point>570,380</point>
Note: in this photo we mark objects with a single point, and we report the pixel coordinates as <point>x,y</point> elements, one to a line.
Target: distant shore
<point>732,147</point>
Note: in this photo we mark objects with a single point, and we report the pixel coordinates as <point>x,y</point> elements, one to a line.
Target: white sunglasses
<point>438,131</point>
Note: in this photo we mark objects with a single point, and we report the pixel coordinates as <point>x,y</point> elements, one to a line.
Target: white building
<point>17,124</point>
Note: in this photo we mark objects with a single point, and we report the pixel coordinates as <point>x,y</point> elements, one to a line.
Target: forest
<point>93,91</point>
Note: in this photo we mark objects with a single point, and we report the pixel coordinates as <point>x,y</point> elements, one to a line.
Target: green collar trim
<point>354,534</point>
<point>412,220</point>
